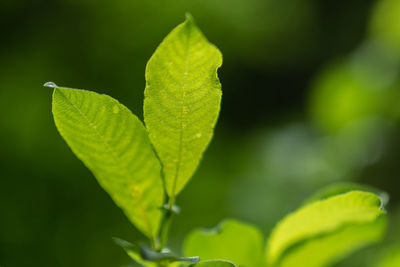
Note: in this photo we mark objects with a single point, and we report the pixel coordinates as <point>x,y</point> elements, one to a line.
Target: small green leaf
<point>231,240</point>
<point>334,227</point>
<point>114,145</point>
<point>215,263</point>
<point>182,101</point>
<point>133,251</point>
<point>150,258</point>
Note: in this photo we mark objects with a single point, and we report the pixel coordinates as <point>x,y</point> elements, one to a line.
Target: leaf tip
<point>384,198</point>
<point>122,243</point>
<point>189,17</point>
<point>50,85</point>
<point>194,259</point>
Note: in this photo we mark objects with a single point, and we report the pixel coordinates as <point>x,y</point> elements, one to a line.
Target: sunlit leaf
<point>334,246</point>
<point>114,145</point>
<point>333,227</point>
<point>231,240</point>
<point>182,101</point>
<point>340,188</point>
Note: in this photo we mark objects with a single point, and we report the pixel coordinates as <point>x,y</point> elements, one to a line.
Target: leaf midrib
<point>116,159</point>
<point>180,148</point>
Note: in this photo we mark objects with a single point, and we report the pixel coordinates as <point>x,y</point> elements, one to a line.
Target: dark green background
<point>311,94</point>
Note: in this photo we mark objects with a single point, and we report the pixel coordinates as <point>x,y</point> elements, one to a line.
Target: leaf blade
<point>182,101</point>
<point>231,240</point>
<point>335,246</point>
<point>114,145</point>
<point>323,218</point>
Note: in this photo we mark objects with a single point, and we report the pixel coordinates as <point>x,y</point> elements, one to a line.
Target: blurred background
<point>311,94</point>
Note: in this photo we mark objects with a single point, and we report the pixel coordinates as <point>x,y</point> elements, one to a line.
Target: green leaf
<point>344,187</point>
<point>150,258</point>
<point>114,145</point>
<point>231,240</point>
<point>334,227</point>
<point>133,251</point>
<point>391,258</point>
<point>336,245</point>
<point>182,101</point>
<point>215,263</point>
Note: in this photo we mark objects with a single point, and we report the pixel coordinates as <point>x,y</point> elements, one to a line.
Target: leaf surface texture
<point>182,101</point>
<point>114,145</point>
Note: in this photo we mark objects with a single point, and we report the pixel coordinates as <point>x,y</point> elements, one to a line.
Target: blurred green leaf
<point>391,258</point>
<point>114,145</point>
<point>334,246</point>
<point>182,101</point>
<point>334,227</point>
<point>385,24</point>
<point>344,187</point>
<point>215,263</point>
<point>344,93</point>
<point>231,240</point>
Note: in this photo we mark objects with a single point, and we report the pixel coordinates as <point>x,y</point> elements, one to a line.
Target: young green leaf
<point>231,240</point>
<point>215,263</point>
<point>334,246</point>
<point>114,145</point>
<point>345,187</point>
<point>334,227</point>
<point>133,251</point>
<point>151,258</point>
<point>182,101</point>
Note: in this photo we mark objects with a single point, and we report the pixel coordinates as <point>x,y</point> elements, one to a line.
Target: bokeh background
<point>311,96</point>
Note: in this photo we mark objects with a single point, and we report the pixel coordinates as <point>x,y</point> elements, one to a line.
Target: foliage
<point>143,168</point>
<point>114,145</point>
<point>338,224</point>
<point>182,101</point>
<point>230,240</point>
<point>391,258</point>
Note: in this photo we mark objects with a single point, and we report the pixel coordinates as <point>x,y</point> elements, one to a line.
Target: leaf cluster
<point>143,167</point>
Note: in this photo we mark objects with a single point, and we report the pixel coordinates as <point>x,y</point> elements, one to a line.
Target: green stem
<point>165,227</point>
<point>155,243</point>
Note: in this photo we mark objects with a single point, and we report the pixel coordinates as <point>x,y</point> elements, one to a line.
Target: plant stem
<point>155,243</point>
<point>165,225</point>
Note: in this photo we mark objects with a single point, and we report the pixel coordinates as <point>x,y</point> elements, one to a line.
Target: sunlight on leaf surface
<point>334,227</point>
<point>182,101</point>
<point>113,144</point>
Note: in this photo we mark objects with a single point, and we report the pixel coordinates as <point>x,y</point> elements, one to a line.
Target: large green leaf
<point>334,246</point>
<point>231,240</point>
<point>114,145</point>
<point>334,227</point>
<point>182,101</point>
